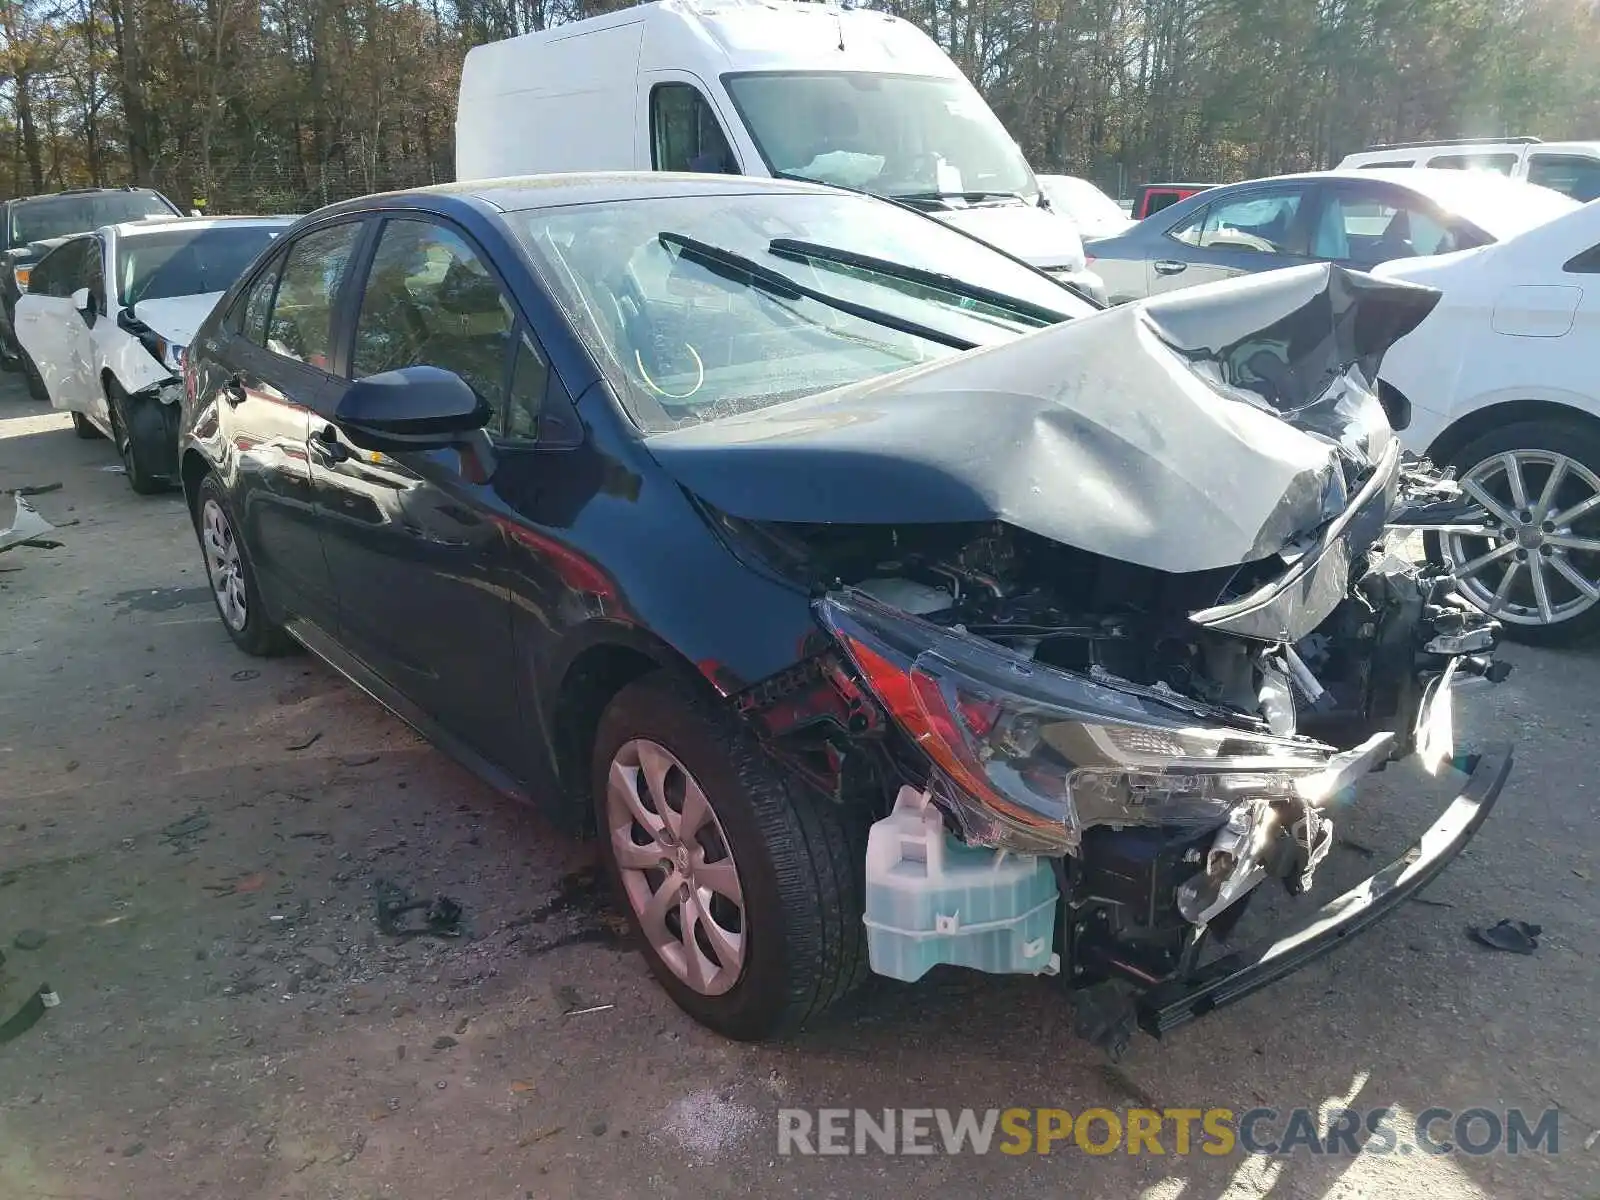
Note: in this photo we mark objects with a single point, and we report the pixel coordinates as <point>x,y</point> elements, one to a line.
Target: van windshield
<point>703,306</point>
<point>904,136</point>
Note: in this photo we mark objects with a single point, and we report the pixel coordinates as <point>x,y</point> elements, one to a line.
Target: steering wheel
<point>636,330</point>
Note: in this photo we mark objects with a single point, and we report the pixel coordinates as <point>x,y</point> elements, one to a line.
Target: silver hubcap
<point>1542,566</point>
<point>677,867</point>
<point>224,567</point>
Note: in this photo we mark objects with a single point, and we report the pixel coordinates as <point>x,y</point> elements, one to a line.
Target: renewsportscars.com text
<point>1174,1131</point>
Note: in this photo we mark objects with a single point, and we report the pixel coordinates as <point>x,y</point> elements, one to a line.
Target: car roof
<point>1443,186</point>
<point>121,191</point>
<point>520,192</point>
<point>164,223</point>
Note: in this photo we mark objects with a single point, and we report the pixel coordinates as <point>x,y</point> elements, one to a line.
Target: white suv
<point>1569,167</point>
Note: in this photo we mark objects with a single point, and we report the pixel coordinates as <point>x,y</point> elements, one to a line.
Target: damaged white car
<point>107,315</point>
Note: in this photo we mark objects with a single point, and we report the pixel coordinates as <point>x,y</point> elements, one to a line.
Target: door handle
<point>1170,266</point>
<point>327,448</point>
<point>233,389</point>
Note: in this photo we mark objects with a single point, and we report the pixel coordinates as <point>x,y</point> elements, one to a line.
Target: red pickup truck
<point>1153,197</point>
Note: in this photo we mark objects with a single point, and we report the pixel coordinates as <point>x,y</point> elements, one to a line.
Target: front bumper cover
<point>1241,973</point>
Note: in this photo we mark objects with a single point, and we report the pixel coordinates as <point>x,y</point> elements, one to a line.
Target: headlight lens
<point>1033,756</point>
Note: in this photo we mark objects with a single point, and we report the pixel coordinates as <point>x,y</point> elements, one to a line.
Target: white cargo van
<point>761,87</point>
<point>1569,167</point>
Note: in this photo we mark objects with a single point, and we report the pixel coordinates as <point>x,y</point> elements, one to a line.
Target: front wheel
<point>743,886</point>
<point>232,577</point>
<point>1538,485</point>
<point>133,433</point>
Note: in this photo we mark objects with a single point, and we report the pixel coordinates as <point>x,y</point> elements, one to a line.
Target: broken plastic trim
<point>1235,976</point>
<point>25,526</point>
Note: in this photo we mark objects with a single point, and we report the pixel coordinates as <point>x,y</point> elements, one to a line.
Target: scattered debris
<point>36,489</point>
<point>441,916</point>
<point>358,761</point>
<point>1423,900</point>
<point>307,744</point>
<point>583,1012</point>
<point>26,528</point>
<point>531,1139</point>
<point>114,469</point>
<point>250,883</point>
<point>1517,937</point>
<point>445,1042</point>
<point>520,1086</point>
<point>26,1017</point>
<point>186,828</point>
<point>1355,847</point>
<point>134,1150</point>
<point>244,675</point>
<point>29,939</point>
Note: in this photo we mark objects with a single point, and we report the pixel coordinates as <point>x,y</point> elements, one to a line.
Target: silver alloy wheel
<point>1540,568</point>
<point>224,567</point>
<point>677,866</point>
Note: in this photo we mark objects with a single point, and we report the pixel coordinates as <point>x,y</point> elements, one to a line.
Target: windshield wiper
<point>736,267</point>
<point>798,251</point>
<point>974,197</point>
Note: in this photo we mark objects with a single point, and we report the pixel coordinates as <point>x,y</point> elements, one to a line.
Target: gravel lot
<point>198,837</point>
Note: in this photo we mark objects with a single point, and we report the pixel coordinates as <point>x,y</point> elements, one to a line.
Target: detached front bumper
<point>1241,973</point>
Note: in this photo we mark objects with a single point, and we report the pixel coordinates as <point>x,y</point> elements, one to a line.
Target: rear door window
<point>685,134</point>
<point>301,324</point>
<point>1367,225</point>
<point>1575,175</point>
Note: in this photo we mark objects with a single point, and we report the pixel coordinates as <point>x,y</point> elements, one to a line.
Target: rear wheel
<point>743,886</point>
<point>232,577</point>
<point>85,428</point>
<point>132,437</point>
<point>1538,483</point>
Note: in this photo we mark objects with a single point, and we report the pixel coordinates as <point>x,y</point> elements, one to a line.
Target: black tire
<point>800,861</point>
<point>132,442</point>
<point>1577,440</point>
<point>257,635</point>
<point>34,380</point>
<point>85,428</point>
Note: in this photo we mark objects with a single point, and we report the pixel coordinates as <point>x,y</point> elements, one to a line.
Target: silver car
<point>1356,218</point>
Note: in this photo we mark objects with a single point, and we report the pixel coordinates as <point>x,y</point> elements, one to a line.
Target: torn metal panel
<point>26,525</point>
<point>1146,434</point>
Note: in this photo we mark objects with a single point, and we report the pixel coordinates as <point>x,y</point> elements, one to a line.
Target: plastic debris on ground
<point>1515,937</point>
<point>26,527</point>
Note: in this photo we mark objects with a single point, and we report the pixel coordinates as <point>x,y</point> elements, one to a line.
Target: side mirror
<point>414,408</point>
<point>82,301</point>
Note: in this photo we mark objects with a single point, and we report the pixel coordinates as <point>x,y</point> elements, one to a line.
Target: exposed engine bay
<point>1156,687</point>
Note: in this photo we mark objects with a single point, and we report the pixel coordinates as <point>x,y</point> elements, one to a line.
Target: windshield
<point>57,216</point>
<point>893,135</point>
<point>187,262</point>
<point>685,336</point>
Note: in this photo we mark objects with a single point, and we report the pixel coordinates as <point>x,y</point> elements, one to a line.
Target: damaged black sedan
<point>878,602</point>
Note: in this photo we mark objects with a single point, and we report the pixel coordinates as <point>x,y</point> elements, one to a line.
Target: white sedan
<point>1504,381</point>
<point>106,317</point>
<point>1095,214</point>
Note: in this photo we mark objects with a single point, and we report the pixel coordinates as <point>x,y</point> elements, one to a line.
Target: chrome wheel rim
<point>677,867</point>
<point>224,566</point>
<point>1542,564</point>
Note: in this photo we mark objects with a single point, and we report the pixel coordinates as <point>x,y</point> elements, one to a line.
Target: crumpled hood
<point>177,317</point>
<point>1150,434</point>
<point>1035,235</point>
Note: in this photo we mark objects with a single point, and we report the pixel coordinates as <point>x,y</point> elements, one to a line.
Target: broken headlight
<point>1032,756</point>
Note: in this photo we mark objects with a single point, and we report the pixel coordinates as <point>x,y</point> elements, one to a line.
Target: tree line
<point>281,105</point>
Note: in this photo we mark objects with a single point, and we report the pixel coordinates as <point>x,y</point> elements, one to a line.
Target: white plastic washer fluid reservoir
<point>932,900</point>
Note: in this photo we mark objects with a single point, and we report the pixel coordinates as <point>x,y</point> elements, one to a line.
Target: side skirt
<point>329,651</point>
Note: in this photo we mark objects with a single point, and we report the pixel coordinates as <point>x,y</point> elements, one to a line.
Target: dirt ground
<point>199,839</point>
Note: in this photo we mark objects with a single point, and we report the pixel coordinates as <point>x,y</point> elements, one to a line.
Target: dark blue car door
<point>415,540</point>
